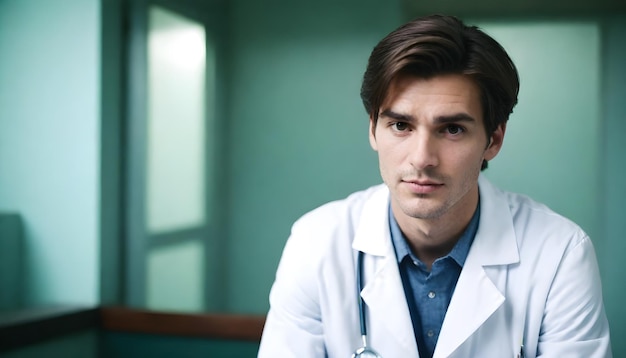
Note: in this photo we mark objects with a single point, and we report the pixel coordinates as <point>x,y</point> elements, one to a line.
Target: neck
<point>432,238</point>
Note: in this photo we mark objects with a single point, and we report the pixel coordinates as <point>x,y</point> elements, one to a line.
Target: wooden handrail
<point>219,326</point>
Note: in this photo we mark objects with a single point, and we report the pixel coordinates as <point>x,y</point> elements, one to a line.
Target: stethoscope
<point>365,351</point>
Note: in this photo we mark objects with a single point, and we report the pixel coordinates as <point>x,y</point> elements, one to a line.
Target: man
<point>446,265</point>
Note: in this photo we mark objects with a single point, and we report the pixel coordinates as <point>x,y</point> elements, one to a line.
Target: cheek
<point>383,162</point>
<point>466,158</point>
<point>388,162</point>
<point>390,155</point>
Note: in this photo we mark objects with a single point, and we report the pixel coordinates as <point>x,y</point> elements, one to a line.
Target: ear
<point>496,141</point>
<point>372,134</point>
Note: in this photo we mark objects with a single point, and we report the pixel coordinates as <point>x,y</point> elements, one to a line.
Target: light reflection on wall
<point>176,122</point>
<point>176,161</point>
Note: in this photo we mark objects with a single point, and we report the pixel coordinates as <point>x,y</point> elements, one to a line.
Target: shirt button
<point>430,333</point>
<point>431,294</point>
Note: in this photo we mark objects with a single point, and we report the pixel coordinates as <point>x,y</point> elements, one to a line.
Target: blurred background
<point>154,154</point>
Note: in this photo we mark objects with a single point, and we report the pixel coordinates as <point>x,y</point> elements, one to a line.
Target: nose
<point>423,151</point>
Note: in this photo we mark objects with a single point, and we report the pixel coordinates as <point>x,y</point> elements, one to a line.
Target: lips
<point>422,186</point>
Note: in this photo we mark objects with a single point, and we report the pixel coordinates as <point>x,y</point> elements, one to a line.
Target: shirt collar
<point>459,251</point>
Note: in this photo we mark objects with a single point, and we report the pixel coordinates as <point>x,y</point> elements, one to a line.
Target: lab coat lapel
<point>477,296</point>
<point>474,300</point>
<point>389,326</point>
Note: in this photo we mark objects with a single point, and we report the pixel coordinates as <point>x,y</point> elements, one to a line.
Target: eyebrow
<point>454,118</point>
<point>458,117</point>
<point>397,116</point>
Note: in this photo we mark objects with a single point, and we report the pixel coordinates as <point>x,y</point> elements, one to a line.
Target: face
<point>431,141</point>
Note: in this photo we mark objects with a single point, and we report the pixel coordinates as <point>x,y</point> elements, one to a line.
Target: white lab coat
<point>531,276</point>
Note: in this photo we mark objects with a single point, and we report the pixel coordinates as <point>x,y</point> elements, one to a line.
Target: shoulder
<point>538,217</point>
<point>329,229</point>
<point>340,213</point>
<point>535,221</point>
<point>321,242</point>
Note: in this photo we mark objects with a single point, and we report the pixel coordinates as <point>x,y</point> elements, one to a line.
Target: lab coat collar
<point>495,242</point>
<point>372,233</point>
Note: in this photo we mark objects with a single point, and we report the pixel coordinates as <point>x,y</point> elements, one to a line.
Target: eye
<point>400,126</point>
<point>454,129</point>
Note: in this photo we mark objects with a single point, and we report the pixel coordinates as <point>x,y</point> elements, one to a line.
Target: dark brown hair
<point>437,45</point>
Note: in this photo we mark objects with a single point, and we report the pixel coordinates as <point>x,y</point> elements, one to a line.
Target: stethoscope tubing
<point>364,351</point>
<point>359,286</point>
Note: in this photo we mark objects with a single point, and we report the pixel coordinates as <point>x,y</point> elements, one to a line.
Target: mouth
<point>422,186</point>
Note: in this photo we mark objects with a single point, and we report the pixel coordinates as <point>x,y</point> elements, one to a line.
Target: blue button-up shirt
<point>427,293</point>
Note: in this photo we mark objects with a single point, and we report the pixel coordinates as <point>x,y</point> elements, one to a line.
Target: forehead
<point>440,94</point>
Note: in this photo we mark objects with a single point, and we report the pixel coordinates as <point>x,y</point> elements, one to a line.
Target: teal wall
<point>49,135</point>
<point>110,168</point>
<point>297,131</point>
<point>108,344</point>
<point>76,345</point>
<point>552,146</point>
<point>613,179</point>
<point>132,345</point>
<point>11,265</point>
